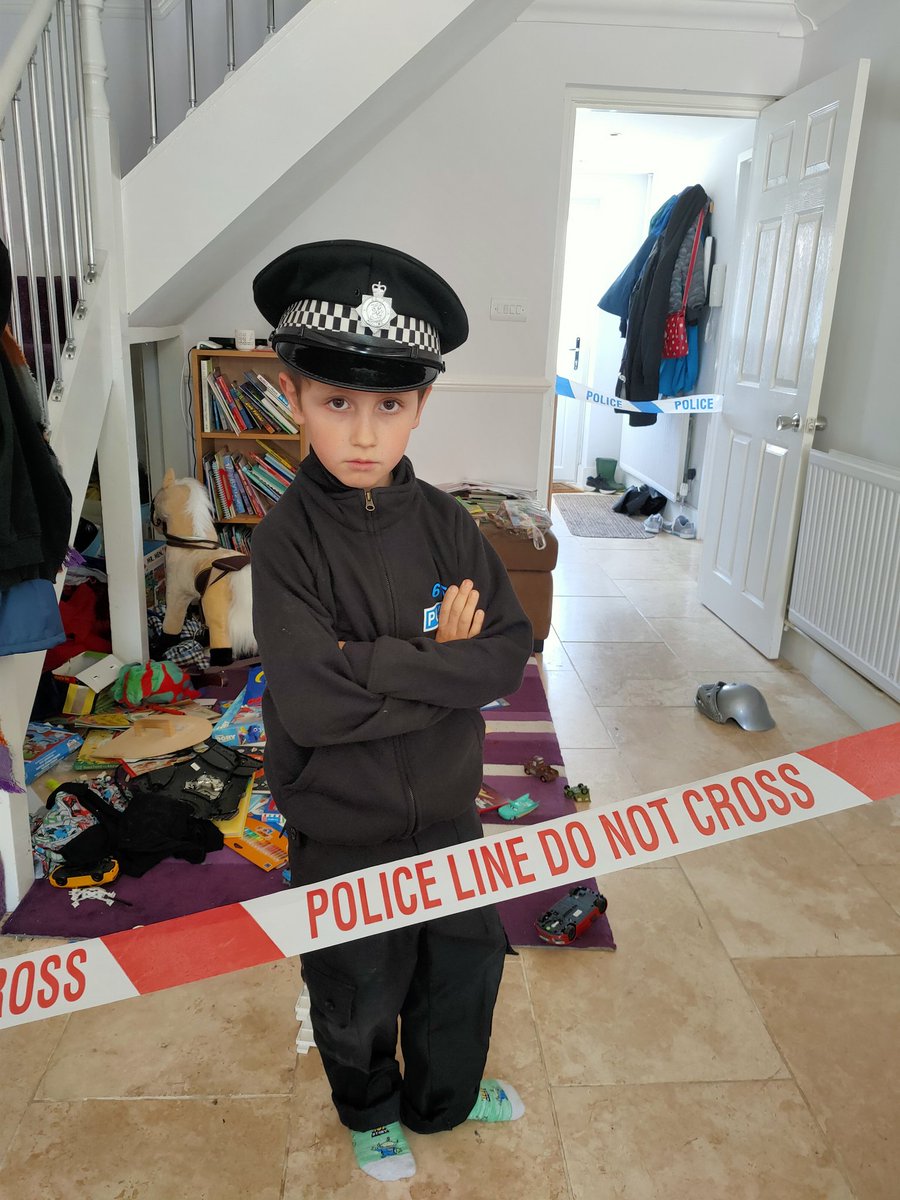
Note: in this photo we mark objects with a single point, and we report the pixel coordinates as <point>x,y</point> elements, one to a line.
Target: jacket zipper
<point>402,765</point>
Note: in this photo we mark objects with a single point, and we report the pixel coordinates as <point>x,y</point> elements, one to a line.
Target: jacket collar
<point>347,504</point>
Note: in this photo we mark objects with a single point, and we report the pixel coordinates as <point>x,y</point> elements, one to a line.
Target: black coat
<point>35,502</point>
<point>649,307</point>
<point>379,740</point>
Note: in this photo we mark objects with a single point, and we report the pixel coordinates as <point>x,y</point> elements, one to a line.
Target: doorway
<point>625,165</point>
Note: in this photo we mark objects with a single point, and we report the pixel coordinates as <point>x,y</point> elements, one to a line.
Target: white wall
<point>860,393</point>
<point>469,182</point>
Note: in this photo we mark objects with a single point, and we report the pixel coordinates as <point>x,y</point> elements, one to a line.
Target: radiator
<point>846,588</point>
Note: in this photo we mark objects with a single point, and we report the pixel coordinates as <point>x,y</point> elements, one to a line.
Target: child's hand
<point>460,616</point>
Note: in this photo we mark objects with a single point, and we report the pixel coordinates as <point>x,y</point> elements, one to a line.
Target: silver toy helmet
<point>740,702</point>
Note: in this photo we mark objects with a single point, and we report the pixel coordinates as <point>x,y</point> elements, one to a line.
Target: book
<point>85,760</point>
<point>236,498</point>
<point>261,845</point>
<point>290,467</point>
<point>489,798</point>
<point>46,745</point>
<point>242,724</point>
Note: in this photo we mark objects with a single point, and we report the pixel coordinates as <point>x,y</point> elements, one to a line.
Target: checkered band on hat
<point>343,318</point>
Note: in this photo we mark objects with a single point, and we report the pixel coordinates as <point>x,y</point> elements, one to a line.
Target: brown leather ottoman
<point>531,574</point>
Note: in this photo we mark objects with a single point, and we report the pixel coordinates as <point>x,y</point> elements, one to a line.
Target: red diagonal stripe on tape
<point>870,761</point>
<point>187,949</point>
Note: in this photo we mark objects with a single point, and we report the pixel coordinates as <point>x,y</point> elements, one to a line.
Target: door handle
<point>577,349</point>
<point>784,422</point>
<point>814,423</point>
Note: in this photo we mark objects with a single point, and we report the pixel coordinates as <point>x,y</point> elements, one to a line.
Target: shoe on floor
<point>654,523</point>
<point>684,528</point>
<point>602,485</point>
<point>497,1101</point>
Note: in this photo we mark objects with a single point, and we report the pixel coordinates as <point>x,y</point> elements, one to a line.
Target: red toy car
<point>542,770</point>
<point>570,916</point>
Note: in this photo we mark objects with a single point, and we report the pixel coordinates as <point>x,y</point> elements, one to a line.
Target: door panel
<point>794,226</point>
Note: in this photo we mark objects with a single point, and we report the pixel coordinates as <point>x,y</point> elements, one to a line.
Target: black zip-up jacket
<point>376,741</point>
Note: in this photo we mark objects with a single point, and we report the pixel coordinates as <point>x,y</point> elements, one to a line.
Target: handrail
<point>25,43</point>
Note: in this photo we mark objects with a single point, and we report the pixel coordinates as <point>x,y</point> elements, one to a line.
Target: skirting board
<point>861,700</point>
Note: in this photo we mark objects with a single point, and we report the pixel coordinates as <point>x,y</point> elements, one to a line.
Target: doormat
<point>175,888</point>
<point>591,515</point>
<point>514,734</point>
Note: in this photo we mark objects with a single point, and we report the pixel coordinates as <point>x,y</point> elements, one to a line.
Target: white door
<point>797,208</point>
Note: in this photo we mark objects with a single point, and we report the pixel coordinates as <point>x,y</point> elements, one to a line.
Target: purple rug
<point>506,748</point>
<point>175,888</point>
<point>172,889</point>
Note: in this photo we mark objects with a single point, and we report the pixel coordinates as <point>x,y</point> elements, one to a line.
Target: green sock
<point>383,1152</point>
<point>497,1101</point>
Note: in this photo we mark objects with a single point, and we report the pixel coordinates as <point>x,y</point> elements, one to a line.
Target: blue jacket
<point>617,297</point>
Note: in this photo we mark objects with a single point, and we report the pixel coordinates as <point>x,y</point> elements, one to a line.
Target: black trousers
<point>439,978</point>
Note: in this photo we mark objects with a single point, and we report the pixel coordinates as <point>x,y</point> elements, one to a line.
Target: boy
<point>384,622</point>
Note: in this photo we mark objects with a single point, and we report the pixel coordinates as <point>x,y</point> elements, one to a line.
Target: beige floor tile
<point>600,619</point>
<point>603,771</point>
<point>800,711</point>
<point>553,657</point>
<point>574,717</point>
<point>233,1035</point>
<point>475,1161</point>
<point>630,564</point>
<point>791,892</point>
<point>580,578</point>
<point>665,1007</point>
<point>629,673</point>
<point>665,747</point>
<point>886,880</point>
<point>703,641</point>
<point>835,1021</point>
<point>149,1150</point>
<point>678,598</point>
<point>696,1141</point>
<point>870,834</point>
<point>29,1047</point>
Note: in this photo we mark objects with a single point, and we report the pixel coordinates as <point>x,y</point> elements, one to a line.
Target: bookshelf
<point>244,441</point>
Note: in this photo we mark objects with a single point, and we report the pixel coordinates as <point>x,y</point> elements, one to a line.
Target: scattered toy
<point>570,916</point>
<point>520,807</point>
<point>541,769</point>
<point>579,793</point>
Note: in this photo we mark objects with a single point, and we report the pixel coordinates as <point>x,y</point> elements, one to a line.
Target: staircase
<point>150,247</point>
<point>284,127</point>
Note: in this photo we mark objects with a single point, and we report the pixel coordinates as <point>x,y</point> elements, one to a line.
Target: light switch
<point>507,308</point>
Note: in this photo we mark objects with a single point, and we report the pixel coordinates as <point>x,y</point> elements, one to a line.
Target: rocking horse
<point>199,569</point>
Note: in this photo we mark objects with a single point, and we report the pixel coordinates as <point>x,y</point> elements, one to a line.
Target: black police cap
<point>360,315</point>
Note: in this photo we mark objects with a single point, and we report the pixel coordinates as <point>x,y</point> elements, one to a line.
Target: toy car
<point>104,871</point>
<point>538,767</point>
<point>579,793</point>
<point>520,807</point>
<point>570,916</point>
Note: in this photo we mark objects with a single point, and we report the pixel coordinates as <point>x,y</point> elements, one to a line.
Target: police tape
<point>515,862</point>
<point>700,403</point>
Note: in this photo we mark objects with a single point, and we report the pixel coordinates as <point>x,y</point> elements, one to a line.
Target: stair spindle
<point>21,170</point>
<point>69,347</point>
<point>44,213</point>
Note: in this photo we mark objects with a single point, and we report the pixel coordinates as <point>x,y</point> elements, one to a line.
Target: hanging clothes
<point>639,376</point>
<point>35,502</point>
<point>617,297</point>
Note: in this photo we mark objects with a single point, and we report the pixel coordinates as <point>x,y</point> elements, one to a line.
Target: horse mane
<point>199,508</point>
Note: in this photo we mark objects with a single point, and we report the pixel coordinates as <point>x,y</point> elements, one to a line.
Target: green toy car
<point>579,793</point>
<point>519,807</point>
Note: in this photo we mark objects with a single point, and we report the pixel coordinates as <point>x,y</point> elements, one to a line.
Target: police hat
<point>359,315</point>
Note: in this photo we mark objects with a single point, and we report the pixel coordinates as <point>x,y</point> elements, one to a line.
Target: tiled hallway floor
<point>742,1043</point>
